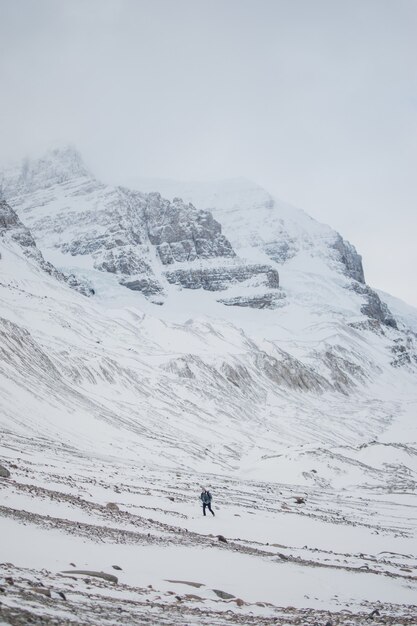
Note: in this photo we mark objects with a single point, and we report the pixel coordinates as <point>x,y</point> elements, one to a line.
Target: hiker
<point>206,498</point>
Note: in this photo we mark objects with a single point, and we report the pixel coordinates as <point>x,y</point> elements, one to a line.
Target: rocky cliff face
<point>153,245</point>
<point>252,219</point>
<point>146,241</point>
<point>373,307</point>
<point>219,279</point>
<point>181,233</point>
<point>350,259</point>
<point>11,227</point>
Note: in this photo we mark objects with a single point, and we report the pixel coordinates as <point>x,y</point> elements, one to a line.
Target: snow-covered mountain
<point>232,341</point>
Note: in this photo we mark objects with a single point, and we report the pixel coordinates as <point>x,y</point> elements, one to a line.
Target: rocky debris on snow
<point>343,372</point>
<point>84,572</point>
<point>404,350</point>
<point>223,594</point>
<point>221,538</point>
<point>286,370</point>
<point>4,472</point>
<point>79,284</point>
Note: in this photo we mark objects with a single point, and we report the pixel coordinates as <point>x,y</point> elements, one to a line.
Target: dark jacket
<point>205,497</point>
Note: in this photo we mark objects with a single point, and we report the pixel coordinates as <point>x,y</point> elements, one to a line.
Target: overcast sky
<point>314,99</point>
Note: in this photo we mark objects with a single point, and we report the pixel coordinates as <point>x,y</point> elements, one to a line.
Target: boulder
<point>4,473</point>
<point>223,594</point>
<point>185,582</point>
<point>300,500</point>
<point>193,596</point>
<point>42,591</point>
<point>109,577</point>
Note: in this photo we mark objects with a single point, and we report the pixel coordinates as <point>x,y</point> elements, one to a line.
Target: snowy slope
<point>126,398</point>
<point>133,372</point>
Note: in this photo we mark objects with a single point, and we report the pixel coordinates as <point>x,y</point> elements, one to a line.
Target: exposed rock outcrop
<point>289,372</point>
<point>267,300</point>
<point>373,307</point>
<point>220,278</point>
<point>145,284</point>
<point>282,250</point>
<point>350,259</point>
<point>404,350</point>
<point>11,226</point>
<point>344,373</point>
<point>181,233</point>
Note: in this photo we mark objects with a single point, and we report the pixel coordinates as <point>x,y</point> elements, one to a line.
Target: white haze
<point>314,100</point>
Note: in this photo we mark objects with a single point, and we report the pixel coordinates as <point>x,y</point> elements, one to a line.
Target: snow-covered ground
<point>340,552</point>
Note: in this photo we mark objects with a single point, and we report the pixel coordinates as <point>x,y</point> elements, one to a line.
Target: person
<point>206,499</point>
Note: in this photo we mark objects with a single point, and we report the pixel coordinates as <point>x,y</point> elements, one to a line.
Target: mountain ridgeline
<point>150,243</point>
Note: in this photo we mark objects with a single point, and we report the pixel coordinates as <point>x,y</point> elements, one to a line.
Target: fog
<point>315,100</point>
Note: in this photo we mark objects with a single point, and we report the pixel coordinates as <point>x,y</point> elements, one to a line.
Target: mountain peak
<point>56,166</point>
<point>67,156</point>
